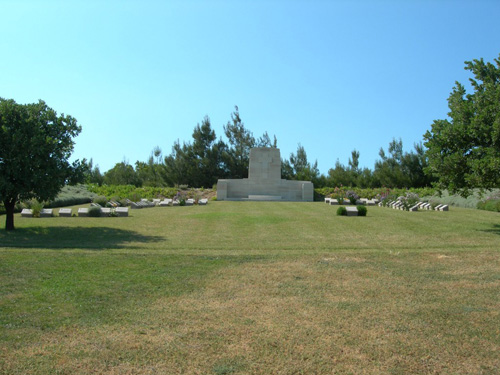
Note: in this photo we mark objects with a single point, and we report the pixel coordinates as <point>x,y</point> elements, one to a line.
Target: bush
<point>352,196</point>
<point>341,211</point>
<point>490,205</point>
<point>100,200</point>
<point>362,210</point>
<point>36,208</point>
<point>95,211</point>
<point>70,201</point>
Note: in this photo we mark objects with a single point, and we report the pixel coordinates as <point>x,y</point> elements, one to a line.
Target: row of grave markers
<point>365,201</point>
<point>144,203</point>
<point>83,212</point>
<point>398,205</point>
<point>119,211</point>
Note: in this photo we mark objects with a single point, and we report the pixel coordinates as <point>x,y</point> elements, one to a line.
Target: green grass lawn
<point>252,288</point>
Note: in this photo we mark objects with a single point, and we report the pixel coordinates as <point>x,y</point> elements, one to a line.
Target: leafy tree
<point>152,172</point>
<point>206,156</point>
<point>302,169</point>
<point>122,174</point>
<point>354,161</point>
<point>286,170</point>
<point>464,151</point>
<point>339,176</point>
<point>35,145</point>
<point>177,165</point>
<point>241,140</point>
<point>388,170</point>
<point>91,173</point>
<point>401,169</point>
<point>265,141</point>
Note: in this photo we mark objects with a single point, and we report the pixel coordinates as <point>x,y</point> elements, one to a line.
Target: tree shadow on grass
<point>495,229</point>
<point>95,238</point>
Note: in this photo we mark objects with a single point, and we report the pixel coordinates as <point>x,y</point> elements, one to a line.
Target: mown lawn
<point>252,288</point>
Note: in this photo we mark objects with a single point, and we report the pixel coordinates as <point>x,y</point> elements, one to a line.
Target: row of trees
<point>204,160</point>
<point>462,152</point>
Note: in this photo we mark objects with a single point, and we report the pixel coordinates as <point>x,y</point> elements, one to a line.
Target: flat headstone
<point>175,203</point>
<point>121,211</point>
<point>165,202</point>
<point>189,202</point>
<point>444,207</point>
<point>333,202</point>
<point>438,207</point>
<point>26,213</point>
<point>327,200</point>
<point>105,211</point>
<point>65,212</point>
<point>203,202</point>
<point>47,212</point>
<point>83,212</point>
<point>352,211</point>
<point>414,208</point>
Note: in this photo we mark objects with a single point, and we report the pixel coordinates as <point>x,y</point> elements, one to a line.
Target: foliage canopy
<point>464,151</point>
<point>35,145</point>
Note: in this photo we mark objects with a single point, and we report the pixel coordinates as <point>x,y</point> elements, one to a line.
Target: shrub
<point>36,208</point>
<point>100,200</point>
<point>95,211</point>
<point>69,201</point>
<point>409,200</point>
<point>352,196</point>
<point>123,203</point>
<point>341,211</point>
<point>490,205</point>
<point>362,210</point>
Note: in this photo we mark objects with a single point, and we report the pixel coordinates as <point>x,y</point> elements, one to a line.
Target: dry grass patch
<point>345,314</point>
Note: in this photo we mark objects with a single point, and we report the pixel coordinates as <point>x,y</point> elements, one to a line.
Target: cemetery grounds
<point>252,288</point>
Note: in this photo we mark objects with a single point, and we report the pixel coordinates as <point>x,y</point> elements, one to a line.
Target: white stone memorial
<point>264,182</point>
<point>65,212</point>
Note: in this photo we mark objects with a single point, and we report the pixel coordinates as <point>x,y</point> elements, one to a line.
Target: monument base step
<point>264,197</point>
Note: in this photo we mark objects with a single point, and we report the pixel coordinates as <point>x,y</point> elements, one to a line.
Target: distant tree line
<point>204,160</point>
<point>459,153</point>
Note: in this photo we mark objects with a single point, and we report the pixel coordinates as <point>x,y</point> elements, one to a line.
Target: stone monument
<point>264,182</point>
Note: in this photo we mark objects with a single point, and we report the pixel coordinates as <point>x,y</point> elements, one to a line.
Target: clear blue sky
<point>331,75</point>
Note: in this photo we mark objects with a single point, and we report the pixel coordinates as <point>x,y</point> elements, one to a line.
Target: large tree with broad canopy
<point>464,151</point>
<point>35,145</point>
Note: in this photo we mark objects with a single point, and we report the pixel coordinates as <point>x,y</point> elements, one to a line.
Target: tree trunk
<point>9,217</point>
